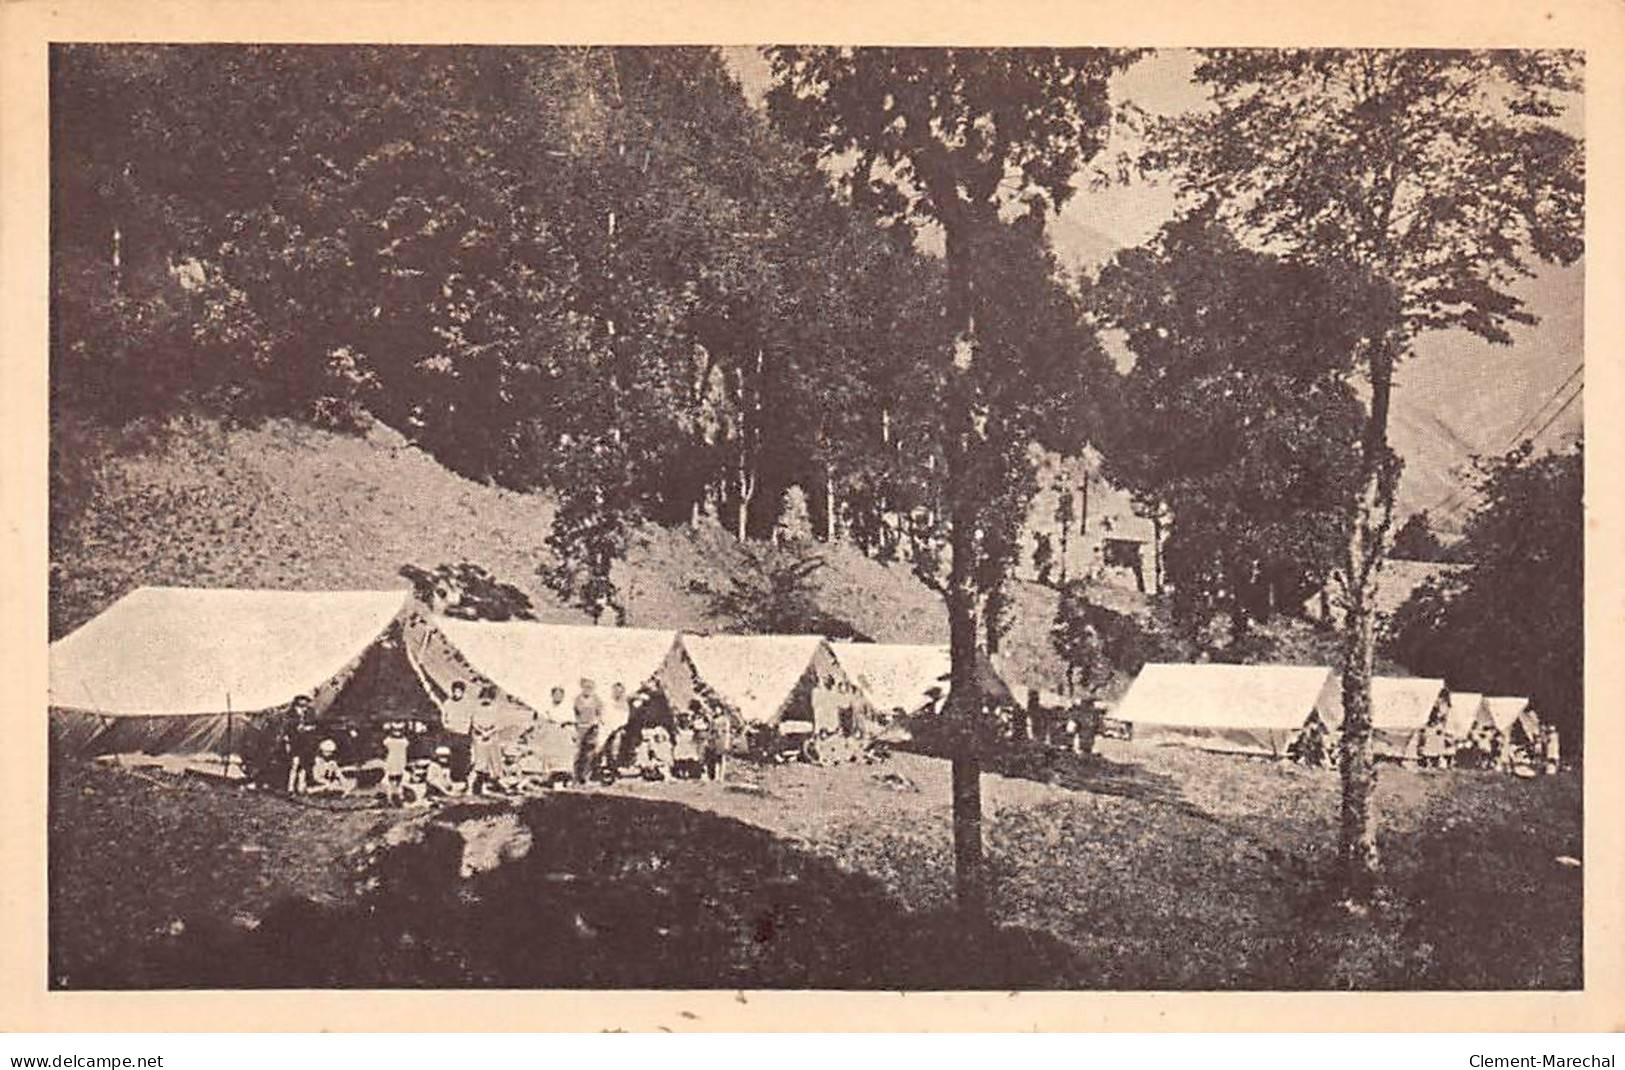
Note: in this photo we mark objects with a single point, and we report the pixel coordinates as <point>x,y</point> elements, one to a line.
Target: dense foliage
<point>1512,622</point>
<point>1095,641</point>
<point>1440,174</point>
<point>596,271</point>
<point>1237,415</point>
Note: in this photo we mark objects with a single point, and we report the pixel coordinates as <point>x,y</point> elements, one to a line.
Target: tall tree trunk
<point>750,416</point>
<point>829,499</point>
<point>118,261</point>
<point>1083,504</point>
<point>1066,542</point>
<point>964,706</point>
<point>1156,550</point>
<point>747,491</point>
<point>1357,844</point>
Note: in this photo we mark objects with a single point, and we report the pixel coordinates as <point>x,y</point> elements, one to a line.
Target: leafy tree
<point>469,591</point>
<point>795,522</point>
<point>1513,620</point>
<point>1416,541</point>
<point>1237,414</point>
<point>1043,557</point>
<point>1440,172</point>
<point>953,138</point>
<point>1064,509</point>
<point>774,592</point>
<point>1094,641</point>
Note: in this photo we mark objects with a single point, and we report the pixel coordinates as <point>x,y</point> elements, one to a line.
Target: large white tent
<point>1243,709</point>
<point>180,670</point>
<point>526,660</point>
<point>1401,706</point>
<point>766,678</point>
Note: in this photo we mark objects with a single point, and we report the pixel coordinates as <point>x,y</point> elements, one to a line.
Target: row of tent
<point>192,671</point>
<point>1261,709</point>
<point>195,671</point>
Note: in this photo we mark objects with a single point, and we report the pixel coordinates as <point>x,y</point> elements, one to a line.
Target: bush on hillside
<point>468,591</point>
<point>773,592</point>
<point>1095,641</point>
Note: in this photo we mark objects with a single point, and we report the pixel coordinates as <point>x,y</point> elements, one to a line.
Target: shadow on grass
<point>613,892</point>
<point>1064,769</point>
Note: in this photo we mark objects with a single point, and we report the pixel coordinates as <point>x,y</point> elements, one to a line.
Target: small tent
<point>526,660</point>
<point>1240,709</point>
<point>770,678</point>
<point>1401,707</point>
<point>1513,718</point>
<point>1467,712</point>
<point>908,677</point>
<point>896,676</point>
<point>190,671</point>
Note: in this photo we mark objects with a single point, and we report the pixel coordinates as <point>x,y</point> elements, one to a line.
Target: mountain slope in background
<point>1460,396</point>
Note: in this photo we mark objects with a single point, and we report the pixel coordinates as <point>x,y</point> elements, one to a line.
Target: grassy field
<point>1141,868</point>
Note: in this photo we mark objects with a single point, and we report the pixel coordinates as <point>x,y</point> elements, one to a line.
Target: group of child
<point>1485,748</point>
<point>468,756</point>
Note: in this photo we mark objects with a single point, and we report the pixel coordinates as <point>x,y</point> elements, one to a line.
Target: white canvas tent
<point>1401,706</point>
<point>766,678</point>
<point>909,677</point>
<point>1467,712</point>
<point>183,671</point>
<point>1241,709</point>
<point>1509,712</point>
<point>525,660</point>
<point>896,676</point>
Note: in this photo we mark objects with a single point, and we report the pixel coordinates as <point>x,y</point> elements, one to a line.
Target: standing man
<point>619,712</point>
<point>485,752</point>
<point>457,718</point>
<point>557,711</point>
<point>301,745</point>
<point>589,711</point>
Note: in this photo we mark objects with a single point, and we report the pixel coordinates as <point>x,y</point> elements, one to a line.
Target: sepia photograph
<point>816,517</point>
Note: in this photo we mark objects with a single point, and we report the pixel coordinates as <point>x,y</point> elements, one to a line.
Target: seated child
<point>437,779</point>
<point>327,777</point>
<point>654,752</point>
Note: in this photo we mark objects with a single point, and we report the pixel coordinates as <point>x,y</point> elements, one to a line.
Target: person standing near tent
<point>395,745</point>
<point>1308,747</point>
<point>457,718</point>
<point>485,752</point>
<point>589,718</point>
<point>302,745</point>
<point>557,711</point>
<point>713,733</point>
<point>619,711</point>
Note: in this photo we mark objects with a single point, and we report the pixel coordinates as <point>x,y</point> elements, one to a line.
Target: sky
<point>1457,396</point>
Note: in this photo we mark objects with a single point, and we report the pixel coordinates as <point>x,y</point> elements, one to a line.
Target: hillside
<point>287,506</point>
<point>293,507</point>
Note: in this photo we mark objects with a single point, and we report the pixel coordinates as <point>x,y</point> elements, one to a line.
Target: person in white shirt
<point>327,777</point>
<point>395,745</point>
